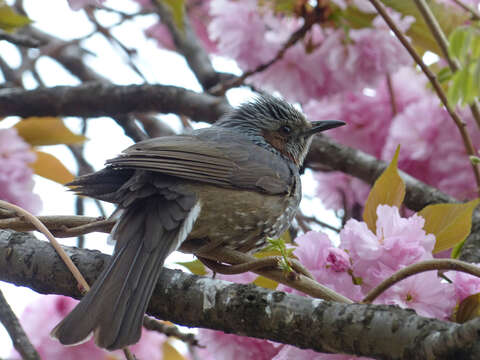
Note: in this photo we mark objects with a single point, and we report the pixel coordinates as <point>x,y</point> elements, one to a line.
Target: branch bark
<point>101,99</point>
<point>377,331</point>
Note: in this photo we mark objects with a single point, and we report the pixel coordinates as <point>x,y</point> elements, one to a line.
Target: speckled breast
<point>242,220</point>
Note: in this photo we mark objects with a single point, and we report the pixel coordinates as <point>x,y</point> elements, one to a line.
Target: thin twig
<point>313,219</point>
<point>391,92</point>
<point>169,330</point>
<point>61,225</point>
<point>436,85</point>
<point>300,282</point>
<point>428,265</point>
<point>20,340</point>
<point>43,229</point>
<point>256,264</point>
<point>442,41</point>
<point>475,14</point>
<point>222,88</point>
<point>58,248</point>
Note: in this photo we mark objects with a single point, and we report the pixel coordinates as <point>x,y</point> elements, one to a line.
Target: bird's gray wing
<point>222,159</point>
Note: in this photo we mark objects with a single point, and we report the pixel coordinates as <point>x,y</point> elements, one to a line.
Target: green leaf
<point>468,309</point>
<point>266,283</point>
<point>195,267</point>
<point>459,41</point>
<point>454,93</point>
<point>468,91</point>
<point>389,189</point>
<point>419,32</point>
<point>456,250</point>
<point>450,223</point>
<point>49,167</point>
<point>444,74</point>
<point>475,160</point>
<point>39,131</point>
<point>476,76</point>
<point>177,8</point>
<point>10,19</point>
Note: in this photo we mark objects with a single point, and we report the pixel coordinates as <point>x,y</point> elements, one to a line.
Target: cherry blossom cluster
<point>358,264</point>
<point>16,176</point>
<point>42,315</point>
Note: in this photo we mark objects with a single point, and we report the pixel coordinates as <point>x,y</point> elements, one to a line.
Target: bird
<point>233,184</point>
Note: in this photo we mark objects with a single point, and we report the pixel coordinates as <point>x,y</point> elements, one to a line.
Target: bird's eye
<point>285,129</point>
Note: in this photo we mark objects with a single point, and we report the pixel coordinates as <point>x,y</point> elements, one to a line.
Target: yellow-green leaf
<point>389,189</point>
<point>419,32</point>
<point>266,283</point>
<point>170,353</point>
<point>48,166</point>
<point>39,131</point>
<point>450,223</point>
<point>177,7</point>
<point>10,19</point>
<point>468,309</point>
<point>196,267</point>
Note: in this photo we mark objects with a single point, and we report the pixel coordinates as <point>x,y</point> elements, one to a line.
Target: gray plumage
<point>232,184</point>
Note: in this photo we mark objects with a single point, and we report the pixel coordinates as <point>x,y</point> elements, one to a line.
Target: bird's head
<point>276,125</point>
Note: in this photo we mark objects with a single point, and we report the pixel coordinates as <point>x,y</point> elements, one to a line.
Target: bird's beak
<point>318,126</point>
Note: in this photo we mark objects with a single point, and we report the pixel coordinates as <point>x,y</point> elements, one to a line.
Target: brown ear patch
<point>278,141</point>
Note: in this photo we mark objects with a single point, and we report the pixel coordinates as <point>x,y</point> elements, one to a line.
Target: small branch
<point>437,33</point>
<point>257,264</point>
<point>222,88</point>
<point>43,229</point>
<point>300,282</point>
<point>303,217</point>
<point>20,340</point>
<point>442,41</point>
<point>21,39</point>
<point>475,14</point>
<point>189,46</point>
<point>433,80</point>
<point>60,225</point>
<point>427,265</point>
<point>391,92</point>
<point>101,99</point>
<point>169,330</point>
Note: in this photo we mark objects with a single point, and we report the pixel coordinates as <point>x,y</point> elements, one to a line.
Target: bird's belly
<point>240,219</point>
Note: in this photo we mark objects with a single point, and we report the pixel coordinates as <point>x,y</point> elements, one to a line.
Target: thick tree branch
<point>385,332</point>
<point>100,99</point>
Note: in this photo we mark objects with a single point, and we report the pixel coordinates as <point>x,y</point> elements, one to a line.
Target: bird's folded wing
<point>226,162</point>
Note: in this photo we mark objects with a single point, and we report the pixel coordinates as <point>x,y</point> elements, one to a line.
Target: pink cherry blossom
<point>239,29</point>
<point>328,264</point>
<point>41,316</point>
<point>398,242</point>
<point>219,345</point>
<point>426,293</point>
<point>198,15</point>
<point>16,182</point>
<point>338,190</point>
<point>432,149</point>
<point>465,284</point>
<point>325,62</point>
